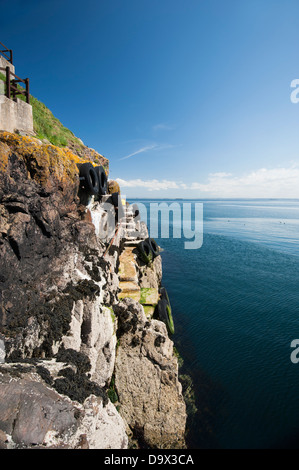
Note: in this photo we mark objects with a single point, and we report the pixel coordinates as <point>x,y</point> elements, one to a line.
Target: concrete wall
<point>15,115</point>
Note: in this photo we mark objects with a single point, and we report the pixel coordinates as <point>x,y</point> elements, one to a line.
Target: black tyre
<point>164,311</point>
<point>145,251</point>
<point>164,295</point>
<point>154,247</point>
<point>103,183</point>
<point>136,213</point>
<point>116,202</point>
<point>114,199</point>
<point>88,178</point>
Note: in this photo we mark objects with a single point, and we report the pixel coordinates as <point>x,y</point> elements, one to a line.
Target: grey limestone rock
<point>34,415</point>
<point>146,378</point>
<point>64,333</point>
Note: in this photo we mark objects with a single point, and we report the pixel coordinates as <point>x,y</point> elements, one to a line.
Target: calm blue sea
<point>235,304</point>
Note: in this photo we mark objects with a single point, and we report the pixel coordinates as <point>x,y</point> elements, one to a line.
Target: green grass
<point>111,392</point>
<point>47,126</point>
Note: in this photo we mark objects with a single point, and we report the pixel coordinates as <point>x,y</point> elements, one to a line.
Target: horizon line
<point>218,198</point>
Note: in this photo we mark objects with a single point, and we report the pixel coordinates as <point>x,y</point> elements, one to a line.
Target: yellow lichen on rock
<point>47,164</point>
<point>113,187</point>
<point>4,155</point>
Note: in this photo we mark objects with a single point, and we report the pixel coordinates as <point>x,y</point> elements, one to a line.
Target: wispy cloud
<point>147,148</point>
<point>141,150</point>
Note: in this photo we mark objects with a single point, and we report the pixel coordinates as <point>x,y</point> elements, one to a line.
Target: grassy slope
<point>48,126</point>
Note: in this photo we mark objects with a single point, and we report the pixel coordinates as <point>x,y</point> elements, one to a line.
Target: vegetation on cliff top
<point>47,126</point>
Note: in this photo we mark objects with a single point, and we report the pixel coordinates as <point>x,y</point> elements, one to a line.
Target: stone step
<point>129,286</point>
<point>127,266</point>
<point>135,295</point>
<point>133,243</point>
<point>129,289</point>
<point>130,238</point>
<point>149,296</point>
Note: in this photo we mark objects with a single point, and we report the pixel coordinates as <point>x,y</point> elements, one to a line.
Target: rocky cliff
<point>83,363</point>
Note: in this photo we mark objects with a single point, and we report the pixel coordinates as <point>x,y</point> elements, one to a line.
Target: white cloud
<point>275,182</point>
<point>150,185</point>
<point>261,183</point>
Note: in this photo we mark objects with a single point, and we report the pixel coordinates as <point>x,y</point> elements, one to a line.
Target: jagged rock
<point>60,316</point>
<point>51,257</point>
<point>113,187</point>
<point>150,275</point>
<point>87,153</point>
<point>99,341</point>
<point>142,230</point>
<point>146,379</point>
<point>35,415</point>
<point>56,286</point>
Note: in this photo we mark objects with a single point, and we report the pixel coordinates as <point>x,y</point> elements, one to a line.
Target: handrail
<point>12,90</point>
<point>3,52</point>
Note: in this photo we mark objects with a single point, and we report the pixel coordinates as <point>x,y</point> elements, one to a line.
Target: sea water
<point>235,304</point>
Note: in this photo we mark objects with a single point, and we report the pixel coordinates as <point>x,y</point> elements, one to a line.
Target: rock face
<point>64,333</point>
<point>146,378</point>
<point>32,414</point>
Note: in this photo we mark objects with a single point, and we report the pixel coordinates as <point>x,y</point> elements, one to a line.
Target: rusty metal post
<point>27,90</point>
<point>10,52</point>
<point>13,89</point>
<point>8,82</point>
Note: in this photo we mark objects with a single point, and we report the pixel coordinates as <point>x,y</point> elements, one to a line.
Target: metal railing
<point>6,53</point>
<point>12,88</point>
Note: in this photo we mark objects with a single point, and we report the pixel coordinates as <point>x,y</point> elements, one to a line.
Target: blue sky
<point>187,98</point>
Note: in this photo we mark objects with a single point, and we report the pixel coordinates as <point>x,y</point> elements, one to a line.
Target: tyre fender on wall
<point>154,247</point>
<point>145,251</point>
<point>164,311</point>
<point>103,183</point>
<point>88,178</point>
<point>136,213</point>
<point>116,201</point>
